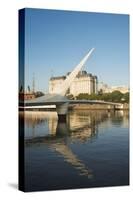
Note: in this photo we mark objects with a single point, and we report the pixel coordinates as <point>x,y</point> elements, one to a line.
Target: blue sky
<point>57,40</point>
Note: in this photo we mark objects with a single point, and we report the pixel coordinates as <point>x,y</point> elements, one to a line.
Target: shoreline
<point>80,107</point>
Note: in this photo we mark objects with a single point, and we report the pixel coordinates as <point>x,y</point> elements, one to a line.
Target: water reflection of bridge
<point>81,126</point>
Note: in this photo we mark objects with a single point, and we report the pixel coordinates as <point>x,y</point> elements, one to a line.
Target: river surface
<point>90,150</point>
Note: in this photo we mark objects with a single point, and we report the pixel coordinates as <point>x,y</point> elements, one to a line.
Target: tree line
<point>115,96</point>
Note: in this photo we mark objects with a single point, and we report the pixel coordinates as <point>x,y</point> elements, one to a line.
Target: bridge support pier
<point>62,111</point>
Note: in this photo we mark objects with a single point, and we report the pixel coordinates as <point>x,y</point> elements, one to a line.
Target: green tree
<point>70,96</point>
<point>126,97</point>
<point>39,94</point>
<point>116,96</point>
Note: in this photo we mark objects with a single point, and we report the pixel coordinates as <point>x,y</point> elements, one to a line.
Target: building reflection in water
<point>81,126</point>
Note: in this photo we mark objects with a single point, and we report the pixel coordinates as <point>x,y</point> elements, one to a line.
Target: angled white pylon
<point>66,84</point>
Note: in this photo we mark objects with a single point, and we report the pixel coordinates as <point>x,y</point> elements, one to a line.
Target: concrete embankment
<point>95,107</point>
<point>83,107</point>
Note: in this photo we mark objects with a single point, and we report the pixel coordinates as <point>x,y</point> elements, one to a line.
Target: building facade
<point>83,83</point>
<point>122,89</point>
<point>109,89</point>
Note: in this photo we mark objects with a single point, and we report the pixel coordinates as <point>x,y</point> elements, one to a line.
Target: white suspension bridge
<point>60,100</point>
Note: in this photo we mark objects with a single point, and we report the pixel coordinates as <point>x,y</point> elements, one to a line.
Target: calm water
<point>91,150</point>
